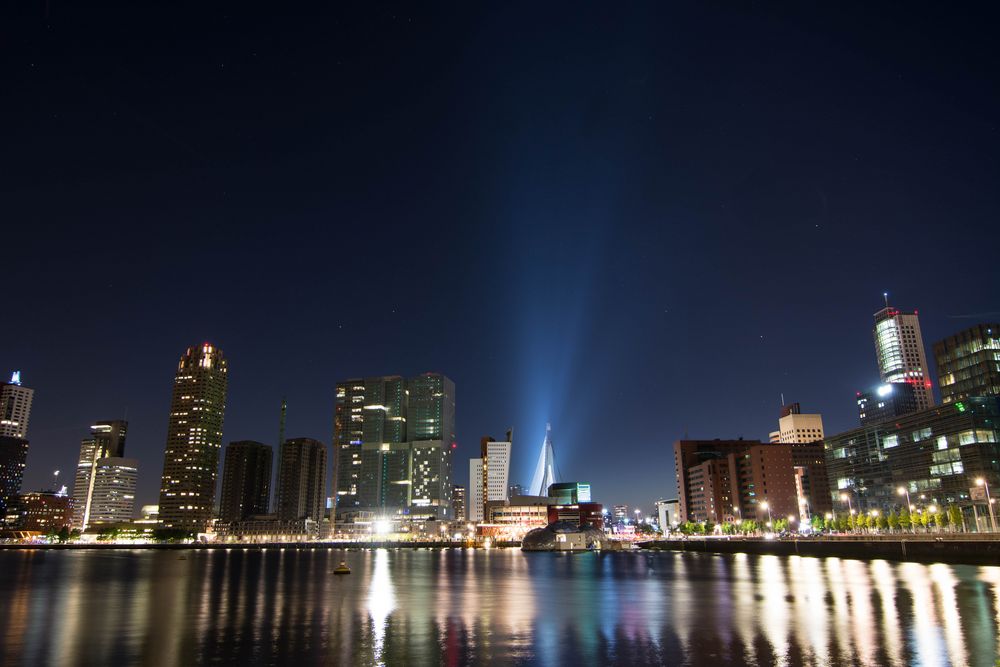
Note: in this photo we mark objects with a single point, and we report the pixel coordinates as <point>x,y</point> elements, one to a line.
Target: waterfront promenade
<point>956,549</point>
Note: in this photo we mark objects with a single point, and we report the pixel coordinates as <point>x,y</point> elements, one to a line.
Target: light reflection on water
<point>458,607</point>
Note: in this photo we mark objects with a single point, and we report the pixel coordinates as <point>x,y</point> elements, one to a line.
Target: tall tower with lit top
<point>899,348</point>
<point>194,439</point>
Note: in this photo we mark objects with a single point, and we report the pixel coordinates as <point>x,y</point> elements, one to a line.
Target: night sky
<point>636,224</point>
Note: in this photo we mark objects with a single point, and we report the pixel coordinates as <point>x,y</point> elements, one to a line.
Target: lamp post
<point>989,502</point>
<point>767,506</point>
<point>844,498</point>
<point>909,508</point>
<point>874,515</point>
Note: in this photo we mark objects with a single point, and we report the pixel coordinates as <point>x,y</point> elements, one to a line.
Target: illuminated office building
<point>107,440</point>
<point>496,468</point>
<point>937,453</point>
<point>393,444</point>
<point>458,501</point>
<point>968,363</point>
<point>42,511</point>
<point>194,439</point>
<point>15,407</point>
<point>246,480</point>
<point>476,504</point>
<point>113,498</point>
<point>899,348</point>
<point>887,401</point>
<point>13,455</point>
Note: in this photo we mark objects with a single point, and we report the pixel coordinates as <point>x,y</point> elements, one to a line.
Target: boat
<point>342,568</point>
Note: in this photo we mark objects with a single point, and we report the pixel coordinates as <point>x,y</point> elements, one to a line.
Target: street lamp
<point>904,492</point>
<point>767,506</point>
<point>844,498</point>
<point>989,501</point>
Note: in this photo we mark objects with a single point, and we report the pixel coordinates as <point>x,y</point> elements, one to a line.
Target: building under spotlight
<point>899,348</point>
<point>545,469</point>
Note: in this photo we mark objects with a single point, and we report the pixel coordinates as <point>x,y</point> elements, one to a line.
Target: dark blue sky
<point>635,223</point>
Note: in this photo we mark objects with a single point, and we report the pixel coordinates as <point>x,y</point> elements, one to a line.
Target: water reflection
<point>459,607</point>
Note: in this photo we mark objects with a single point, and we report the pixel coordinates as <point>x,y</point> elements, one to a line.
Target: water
<point>456,607</point>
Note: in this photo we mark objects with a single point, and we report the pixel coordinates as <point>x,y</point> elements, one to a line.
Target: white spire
<point>545,471</point>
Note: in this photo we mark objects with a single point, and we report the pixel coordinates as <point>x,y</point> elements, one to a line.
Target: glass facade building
<point>899,347</point>
<point>968,363</point>
<point>936,454</point>
<point>393,443</point>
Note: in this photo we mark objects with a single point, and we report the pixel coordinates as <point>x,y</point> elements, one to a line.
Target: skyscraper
<point>15,407</point>
<point>194,438</point>
<point>899,348</point>
<point>476,504</point>
<point>545,470</point>
<point>458,502</point>
<point>393,443</point>
<point>13,454</point>
<point>246,480</point>
<point>968,363</point>
<point>107,440</point>
<point>496,468</point>
<point>301,480</point>
<point>113,500</point>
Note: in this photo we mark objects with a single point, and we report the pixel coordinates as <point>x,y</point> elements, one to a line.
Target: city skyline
<point>790,409</point>
<point>668,210</point>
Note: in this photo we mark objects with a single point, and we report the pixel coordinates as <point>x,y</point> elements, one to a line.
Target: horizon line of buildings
<point>906,446</point>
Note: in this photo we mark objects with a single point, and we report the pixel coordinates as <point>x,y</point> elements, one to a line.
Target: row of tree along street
<point>924,521</point>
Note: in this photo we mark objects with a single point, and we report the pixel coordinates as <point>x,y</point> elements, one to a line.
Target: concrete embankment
<point>973,550</point>
<point>261,545</point>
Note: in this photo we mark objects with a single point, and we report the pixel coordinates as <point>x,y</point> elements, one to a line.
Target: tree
<point>954,517</point>
<point>904,518</point>
<point>925,519</point>
<point>882,522</point>
<point>172,534</point>
<point>728,528</point>
<point>939,520</point>
<point>843,523</point>
<point>780,525</point>
<point>830,525</point>
<point>816,522</point>
<point>852,522</point>
<point>63,534</point>
<point>892,520</point>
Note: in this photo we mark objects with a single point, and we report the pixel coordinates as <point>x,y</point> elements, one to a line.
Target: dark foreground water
<point>455,607</point>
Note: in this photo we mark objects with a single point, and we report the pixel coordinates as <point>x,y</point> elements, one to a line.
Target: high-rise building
<point>194,439</point>
<point>936,453</point>
<point>968,363</point>
<point>899,348</point>
<point>730,480</point>
<point>113,498</point>
<point>515,490</point>
<point>13,455</point>
<point>301,480</point>
<point>476,503</point>
<point>246,480</point>
<point>394,442</point>
<point>107,440</point>
<point>545,469</point>
<point>15,407</point>
<point>458,502</point>
<point>496,467</point>
<point>886,401</point>
<point>794,426</point>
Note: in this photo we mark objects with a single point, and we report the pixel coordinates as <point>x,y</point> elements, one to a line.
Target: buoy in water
<point>342,568</point>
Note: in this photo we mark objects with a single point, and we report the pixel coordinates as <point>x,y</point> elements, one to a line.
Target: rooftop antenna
<point>281,424</point>
<point>885,295</point>
<point>782,399</point>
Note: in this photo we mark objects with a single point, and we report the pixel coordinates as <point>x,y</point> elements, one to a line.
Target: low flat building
<point>268,528</point>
